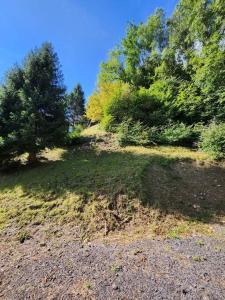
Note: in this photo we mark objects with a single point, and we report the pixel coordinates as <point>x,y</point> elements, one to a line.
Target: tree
<point>44,96</point>
<point>142,48</point>
<point>94,108</point>
<point>178,63</point>
<point>76,105</point>
<point>197,37</point>
<point>11,115</point>
<point>32,105</point>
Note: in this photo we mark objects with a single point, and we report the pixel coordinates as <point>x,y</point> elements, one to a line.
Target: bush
<point>177,134</point>
<point>74,135</point>
<point>212,140</point>
<point>137,105</point>
<point>154,134</point>
<point>133,133</point>
<point>108,124</point>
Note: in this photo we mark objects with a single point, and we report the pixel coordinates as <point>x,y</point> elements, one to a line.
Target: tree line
<point>166,75</point>
<point>35,110</point>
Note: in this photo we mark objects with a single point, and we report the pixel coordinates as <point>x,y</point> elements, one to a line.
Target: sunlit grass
<point>95,189</point>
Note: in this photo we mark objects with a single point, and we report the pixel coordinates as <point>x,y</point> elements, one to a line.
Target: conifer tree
<point>32,105</point>
<point>11,116</point>
<point>76,105</point>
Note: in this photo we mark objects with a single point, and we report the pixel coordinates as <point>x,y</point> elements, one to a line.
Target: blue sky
<point>81,31</point>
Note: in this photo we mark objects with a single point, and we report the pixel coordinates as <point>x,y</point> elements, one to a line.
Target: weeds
<point>23,236</point>
<point>198,258</point>
<point>116,268</point>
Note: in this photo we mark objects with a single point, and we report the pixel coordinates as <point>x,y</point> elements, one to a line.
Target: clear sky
<point>81,31</point>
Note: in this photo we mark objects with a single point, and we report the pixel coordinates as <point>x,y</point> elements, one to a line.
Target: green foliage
<point>136,133</point>
<point>154,135</point>
<point>177,134</point>
<point>213,140</point>
<point>76,105</point>
<point>116,268</point>
<point>141,49</point>
<point>174,69</point>
<point>107,123</point>
<point>74,136</point>
<point>23,236</point>
<point>138,105</point>
<point>12,116</point>
<point>133,133</point>
<point>32,105</point>
<point>43,96</point>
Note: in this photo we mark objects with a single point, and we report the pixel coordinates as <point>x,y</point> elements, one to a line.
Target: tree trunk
<point>32,158</point>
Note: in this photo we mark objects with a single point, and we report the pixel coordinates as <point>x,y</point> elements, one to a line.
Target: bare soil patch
<point>63,268</point>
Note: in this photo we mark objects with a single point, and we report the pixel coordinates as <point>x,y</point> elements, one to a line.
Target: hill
<point>103,188</point>
<point>153,217</point>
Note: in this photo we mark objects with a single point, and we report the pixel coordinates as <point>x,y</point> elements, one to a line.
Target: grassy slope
<point>98,187</point>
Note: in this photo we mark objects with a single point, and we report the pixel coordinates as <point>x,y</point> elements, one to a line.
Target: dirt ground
<point>192,268</point>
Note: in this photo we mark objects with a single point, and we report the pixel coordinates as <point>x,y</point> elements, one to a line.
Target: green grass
<point>70,187</point>
<point>116,268</point>
<point>95,188</point>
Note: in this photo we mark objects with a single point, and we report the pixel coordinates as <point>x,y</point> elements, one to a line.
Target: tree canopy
<point>178,62</point>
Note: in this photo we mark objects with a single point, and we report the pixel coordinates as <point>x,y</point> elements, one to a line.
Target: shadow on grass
<point>183,188</point>
<point>192,190</point>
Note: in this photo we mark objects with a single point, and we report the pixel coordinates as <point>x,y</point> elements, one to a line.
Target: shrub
<point>108,124</point>
<point>74,135</point>
<point>177,134</point>
<point>134,133</point>
<point>213,140</point>
<point>154,134</point>
<point>23,236</point>
<point>138,105</point>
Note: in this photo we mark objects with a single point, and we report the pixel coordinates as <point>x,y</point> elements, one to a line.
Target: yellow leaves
<point>94,110</point>
<point>100,98</point>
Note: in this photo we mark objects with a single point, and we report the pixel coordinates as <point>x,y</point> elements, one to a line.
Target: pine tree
<point>32,106</point>
<point>43,95</point>
<point>11,116</point>
<point>76,105</point>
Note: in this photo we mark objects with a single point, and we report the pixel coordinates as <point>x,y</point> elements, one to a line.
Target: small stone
<point>185,291</point>
<point>115,287</point>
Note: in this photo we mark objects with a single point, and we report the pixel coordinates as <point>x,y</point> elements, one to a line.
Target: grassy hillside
<point>102,188</point>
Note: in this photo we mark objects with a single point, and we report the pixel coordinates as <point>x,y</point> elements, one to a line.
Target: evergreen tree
<point>43,95</point>
<point>76,105</point>
<point>32,105</point>
<point>11,115</point>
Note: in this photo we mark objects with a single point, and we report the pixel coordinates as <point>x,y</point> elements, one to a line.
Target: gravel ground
<point>192,268</point>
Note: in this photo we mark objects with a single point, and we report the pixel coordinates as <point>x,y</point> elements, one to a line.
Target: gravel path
<point>192,268</point>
